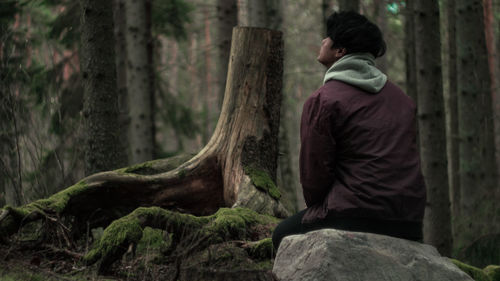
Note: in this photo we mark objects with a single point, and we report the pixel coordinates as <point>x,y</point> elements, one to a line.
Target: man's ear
<point>340,52</point>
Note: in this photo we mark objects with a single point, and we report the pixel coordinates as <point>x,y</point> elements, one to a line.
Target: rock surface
<point>336,255</point>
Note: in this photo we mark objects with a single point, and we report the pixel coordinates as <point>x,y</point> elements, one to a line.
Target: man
<point>359,164</point>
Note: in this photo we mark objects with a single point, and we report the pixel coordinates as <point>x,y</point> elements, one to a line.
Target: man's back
<point>373,170</point>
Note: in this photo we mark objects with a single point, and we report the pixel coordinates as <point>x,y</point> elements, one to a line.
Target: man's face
<point>328,56</point>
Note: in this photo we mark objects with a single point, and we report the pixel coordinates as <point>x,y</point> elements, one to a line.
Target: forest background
<point>450,70</point>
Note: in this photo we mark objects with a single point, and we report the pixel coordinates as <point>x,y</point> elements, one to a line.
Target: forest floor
<point>226,261</point>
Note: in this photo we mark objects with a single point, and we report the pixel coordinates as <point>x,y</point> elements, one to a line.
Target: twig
<point>62,251</point>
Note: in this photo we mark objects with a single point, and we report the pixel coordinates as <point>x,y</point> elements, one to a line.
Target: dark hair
<point>355,33</point>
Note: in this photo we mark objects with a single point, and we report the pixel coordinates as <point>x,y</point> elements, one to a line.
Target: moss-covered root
<point>262,249</point>
<point>493,271</point>
<point>475,273</point>
<point>13,218</point>
<point>226,224</point>
<point>128,230</point>
<point>10,221</point>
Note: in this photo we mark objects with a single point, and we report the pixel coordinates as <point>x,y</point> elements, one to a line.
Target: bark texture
<point>271,17</point>
<point>477,161</point>
<point>102,151</point>
<point>452,118</point>
<point>431,121</point>
<point>121,69</point>
<point>139,85</point>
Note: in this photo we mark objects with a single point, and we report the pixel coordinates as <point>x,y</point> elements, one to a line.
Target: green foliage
<point>169,17</point>
<point>66,26</point>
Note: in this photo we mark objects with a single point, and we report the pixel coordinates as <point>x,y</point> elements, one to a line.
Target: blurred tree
<point>431,122</point>
<point>410,56</point>
<point>120,29</point>
<point>349,5</point>
<point>140,89</point>
<point>10,105</point>
<point>478,183</point>
<point>452,116</point>
<point>265,13</point>
<point>380,17</point>
<point>102,149</point>
<point>490,30</point>
<point>227,18</point>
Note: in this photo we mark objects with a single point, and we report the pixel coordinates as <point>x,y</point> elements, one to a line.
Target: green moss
<point>55,203</point>
<point>493,271</point>
<point>58,201</point>
<point>142,168</point>
<point>265,265</point>
<point>117,235</point>
<point>228,223</point>
<point>235,222</point>
<point>263,249</point>
<point>474,272</point>
<point>263,181</point>
<point>152,240</point>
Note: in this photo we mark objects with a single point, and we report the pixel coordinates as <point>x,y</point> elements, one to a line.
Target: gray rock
<point>331,254</point>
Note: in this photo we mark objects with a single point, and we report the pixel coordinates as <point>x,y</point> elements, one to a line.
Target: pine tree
<point>102,149</point>
<point>431,121</point>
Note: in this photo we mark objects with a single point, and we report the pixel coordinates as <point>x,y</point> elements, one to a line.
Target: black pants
<point>400,229</point>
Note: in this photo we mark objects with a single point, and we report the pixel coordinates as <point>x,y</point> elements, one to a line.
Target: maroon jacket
<point>358,155</point>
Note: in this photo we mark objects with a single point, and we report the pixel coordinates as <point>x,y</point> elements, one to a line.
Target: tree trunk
<point>477,162</point>
<point>452,117</point>
<point>236,168</point>
<point>10,160</point>
<point>380,17</point>
<point>139,82</point>
<point>207,85</point>
<point>431,121</point>
<point>349,5</point>
<point>100,93</point>
<point>410,56</point>
<point>227,18</point>
<point>496,98</point>
<point>268,14</point>
<point>265,13</point>
<point>121,70</point>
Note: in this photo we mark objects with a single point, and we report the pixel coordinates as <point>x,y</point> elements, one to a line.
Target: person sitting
<point>359,162</point>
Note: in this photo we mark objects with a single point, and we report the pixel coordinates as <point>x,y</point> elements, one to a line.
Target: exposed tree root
<point>189,233</point>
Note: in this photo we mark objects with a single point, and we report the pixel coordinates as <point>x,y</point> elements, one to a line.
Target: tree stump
<point>237,168</point>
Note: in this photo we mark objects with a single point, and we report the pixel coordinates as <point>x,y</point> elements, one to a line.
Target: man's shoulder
<point>336,92</point>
